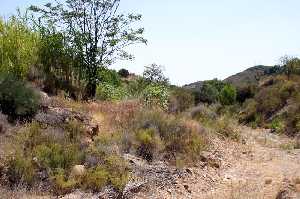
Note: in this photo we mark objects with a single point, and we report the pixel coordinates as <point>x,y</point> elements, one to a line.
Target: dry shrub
<point>172,136</point>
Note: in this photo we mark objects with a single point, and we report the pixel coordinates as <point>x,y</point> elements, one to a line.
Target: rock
<point>45,100</point>
<point>78,171</point>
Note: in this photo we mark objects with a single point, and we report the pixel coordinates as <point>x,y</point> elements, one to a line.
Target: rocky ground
<point>262,166</point>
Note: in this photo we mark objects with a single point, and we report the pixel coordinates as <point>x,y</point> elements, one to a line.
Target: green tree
<point>95,32</point>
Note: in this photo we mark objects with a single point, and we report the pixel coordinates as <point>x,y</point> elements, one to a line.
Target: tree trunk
<point>90,90</point>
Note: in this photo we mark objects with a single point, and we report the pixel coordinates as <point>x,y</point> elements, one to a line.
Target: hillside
<point>249,76</point>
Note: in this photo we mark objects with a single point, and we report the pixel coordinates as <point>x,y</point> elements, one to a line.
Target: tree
<point>154,74</point>
<point>95,32</point>
<point>123,73</point>
<point>291,65</point>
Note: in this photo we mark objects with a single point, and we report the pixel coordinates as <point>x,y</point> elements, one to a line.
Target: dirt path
<point>259,169</point>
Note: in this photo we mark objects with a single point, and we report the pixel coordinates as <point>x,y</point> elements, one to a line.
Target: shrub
<point>227,95</point>
<point>245,93</point>
<point>148,143</point>
<point>209,93</point>
<point>57,156</point>
<point>180,100</point>
<point>203,113</point>
<point>118,171</point>
<point>277,125</point>
<point>20,170</point>
<point>110,77</point>
<point>177,137</point>
<point>16,99</point>
<point>110,92</point>
<point>114,172</point>
<point>156,95</point>
<point>63,185</point>
<point>228,128</point>
<point>96,179</point>
<point>123,73</point>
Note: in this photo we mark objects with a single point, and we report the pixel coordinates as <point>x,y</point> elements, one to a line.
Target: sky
<point>203,39</point>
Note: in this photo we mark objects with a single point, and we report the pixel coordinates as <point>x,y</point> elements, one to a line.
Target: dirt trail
<point>257,169</point>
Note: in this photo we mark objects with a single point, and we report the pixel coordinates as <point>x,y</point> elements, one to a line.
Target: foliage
<point>245,93</point>
<point>148,143</point>
<point>37,149</point>
<point>156,95</point>
<point>95,33</point>
<point>208,94</point>
<point>18,47</point>
<point>228,128</point>
<point>55,156</point>
<point>227,95</point>
<point>110,92</point>
<point>96,179</point>
<point>154,74</point>
<point>17,100</point>
<point>20,170</point>
<point>63,185</point>
<point>110,77</point>
<point>180,100</point>
<point>123,73</point>
<point>177,138</point>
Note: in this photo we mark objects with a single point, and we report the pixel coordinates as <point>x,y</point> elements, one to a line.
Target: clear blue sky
<point>204,39</point>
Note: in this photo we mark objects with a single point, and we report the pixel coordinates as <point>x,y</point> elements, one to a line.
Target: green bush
<point>16,99</point>
<point>110,92</point>
<point>227,95</point>
<point>156,95</point>
<point>209,93</point>
<point>56,156</point>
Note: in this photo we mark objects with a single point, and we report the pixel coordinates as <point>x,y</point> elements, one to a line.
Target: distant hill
<point>249,76</point>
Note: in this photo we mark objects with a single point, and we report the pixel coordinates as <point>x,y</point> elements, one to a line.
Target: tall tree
<point>97,34</point>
